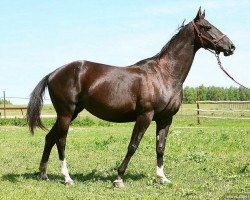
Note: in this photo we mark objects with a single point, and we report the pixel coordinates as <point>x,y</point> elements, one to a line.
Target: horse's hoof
<point>165,181</point>
<point>44,177</point>
<point>118,183</point>
<point>69,183</point>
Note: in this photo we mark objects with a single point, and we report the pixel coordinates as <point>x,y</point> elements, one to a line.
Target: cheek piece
<point>202,37</point>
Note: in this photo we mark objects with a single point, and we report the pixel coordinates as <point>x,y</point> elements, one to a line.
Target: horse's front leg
<point>162,128</point>
<point>141,125</point>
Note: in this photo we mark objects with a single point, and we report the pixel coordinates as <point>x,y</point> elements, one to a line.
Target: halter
<point>216,53</point>
<point>203,37</point>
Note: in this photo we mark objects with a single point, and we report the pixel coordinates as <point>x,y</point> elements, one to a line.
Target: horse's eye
<point>207,27</point>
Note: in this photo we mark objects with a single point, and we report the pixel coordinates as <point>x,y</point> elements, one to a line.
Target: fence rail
<point>208,117</point>
<point>12,108</point>
<point>224,102</point>
<point>204,110</point>
<point>6,107</point>
<point>229,107</point>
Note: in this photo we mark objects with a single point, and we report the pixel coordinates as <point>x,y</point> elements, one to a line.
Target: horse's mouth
<point>228,52</point>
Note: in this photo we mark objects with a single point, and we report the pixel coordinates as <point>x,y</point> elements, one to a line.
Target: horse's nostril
<point>232,47</point>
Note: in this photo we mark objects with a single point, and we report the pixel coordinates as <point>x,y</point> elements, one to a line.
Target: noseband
<point>202,37</point>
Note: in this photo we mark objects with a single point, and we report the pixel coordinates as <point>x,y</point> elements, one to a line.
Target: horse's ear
<point>199,15</point>
<point>203,14</point>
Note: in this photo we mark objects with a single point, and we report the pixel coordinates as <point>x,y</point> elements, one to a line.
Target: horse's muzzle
<point>230,51</point>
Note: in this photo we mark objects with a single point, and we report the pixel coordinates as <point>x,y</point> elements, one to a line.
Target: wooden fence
<point>12,108</point>
<point>6,107</point>
<point>235,110</point>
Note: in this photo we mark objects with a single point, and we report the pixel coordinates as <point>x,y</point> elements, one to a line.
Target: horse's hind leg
<point>57,135</point>
<point>63,126</point>
<point>50,141</point>
<point>62,131</point>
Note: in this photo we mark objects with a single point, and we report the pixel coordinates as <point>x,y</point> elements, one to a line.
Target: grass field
<point>202,161</point>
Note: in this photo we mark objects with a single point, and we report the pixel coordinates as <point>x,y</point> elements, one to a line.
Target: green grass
<point>203,162</point>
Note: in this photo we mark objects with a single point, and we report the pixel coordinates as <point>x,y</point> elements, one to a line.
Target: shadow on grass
<point>92,176</point>
<point>14,178</point>
<point>95,176</point>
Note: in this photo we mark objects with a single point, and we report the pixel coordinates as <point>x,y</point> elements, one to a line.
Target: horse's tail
<point>35,105</point>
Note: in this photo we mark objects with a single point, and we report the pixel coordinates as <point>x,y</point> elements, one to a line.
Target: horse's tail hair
<point>35,105</point>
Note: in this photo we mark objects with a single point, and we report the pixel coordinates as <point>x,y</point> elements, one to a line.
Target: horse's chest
<point>169,103</point>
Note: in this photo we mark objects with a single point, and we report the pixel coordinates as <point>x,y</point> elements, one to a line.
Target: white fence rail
<point>232,110</point>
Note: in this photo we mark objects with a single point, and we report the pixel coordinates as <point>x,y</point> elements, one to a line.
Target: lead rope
<point>220,65</point>
<point>222,68</point>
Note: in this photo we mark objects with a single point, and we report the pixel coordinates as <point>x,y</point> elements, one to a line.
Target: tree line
<point>213,93</point>
<point>6,102</point>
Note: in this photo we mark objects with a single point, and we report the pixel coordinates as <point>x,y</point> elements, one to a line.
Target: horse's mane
<point>164,48</point>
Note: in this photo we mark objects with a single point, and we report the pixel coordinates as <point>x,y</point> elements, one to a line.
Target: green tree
<point>189,95</point>
<point>202,91</point>
<point>213,93</point>
<point>7,102</point>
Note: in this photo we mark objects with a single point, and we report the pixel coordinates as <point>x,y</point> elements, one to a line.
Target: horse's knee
<point>160,150</point>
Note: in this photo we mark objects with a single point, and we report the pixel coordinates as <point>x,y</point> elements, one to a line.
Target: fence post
<point>198,106</point>
<point>4,110</point>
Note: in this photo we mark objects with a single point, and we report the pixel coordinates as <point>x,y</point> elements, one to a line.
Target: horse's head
<point>210,37</point>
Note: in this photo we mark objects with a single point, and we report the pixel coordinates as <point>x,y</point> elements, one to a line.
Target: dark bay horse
<point>150,90</point>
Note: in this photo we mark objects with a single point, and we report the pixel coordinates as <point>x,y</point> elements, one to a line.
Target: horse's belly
<point>114,111</point>
<point>113,115</point>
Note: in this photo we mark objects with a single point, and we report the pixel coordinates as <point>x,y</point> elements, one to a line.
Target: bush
<point>6,102</point>
<point>13,122</point>
<point>49,122</point>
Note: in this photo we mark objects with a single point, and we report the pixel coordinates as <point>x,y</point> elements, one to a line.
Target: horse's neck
<point>175,62</point>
